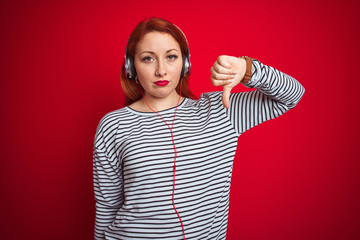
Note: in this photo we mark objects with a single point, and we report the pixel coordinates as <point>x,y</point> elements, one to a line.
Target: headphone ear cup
<point>127,68</point>
<point>186,67</point>
<point>130,68</point>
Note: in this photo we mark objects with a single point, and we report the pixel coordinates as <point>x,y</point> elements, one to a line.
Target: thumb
<point>226,96</point>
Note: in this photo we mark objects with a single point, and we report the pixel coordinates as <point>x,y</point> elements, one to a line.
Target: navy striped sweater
<point>134,159</point>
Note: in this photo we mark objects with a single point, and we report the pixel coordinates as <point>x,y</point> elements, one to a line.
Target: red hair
<point>153,25</point>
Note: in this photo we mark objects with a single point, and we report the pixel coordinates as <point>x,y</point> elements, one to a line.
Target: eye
<point>172,57</point>
<point>147,59</point>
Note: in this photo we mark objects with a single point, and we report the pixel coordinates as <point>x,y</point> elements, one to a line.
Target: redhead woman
<point>163,164</point>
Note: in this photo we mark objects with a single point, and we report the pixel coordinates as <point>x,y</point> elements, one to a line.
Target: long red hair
<point>150,25</point>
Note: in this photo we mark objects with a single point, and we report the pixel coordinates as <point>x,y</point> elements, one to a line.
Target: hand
<point>227,72</point>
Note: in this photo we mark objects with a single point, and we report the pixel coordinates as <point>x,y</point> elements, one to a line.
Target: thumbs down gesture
<point>227,72</point>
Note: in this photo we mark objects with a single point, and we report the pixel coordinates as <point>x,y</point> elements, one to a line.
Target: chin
<point>163,94</point>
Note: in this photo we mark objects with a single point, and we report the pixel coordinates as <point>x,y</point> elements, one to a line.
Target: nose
<point>160,68</point>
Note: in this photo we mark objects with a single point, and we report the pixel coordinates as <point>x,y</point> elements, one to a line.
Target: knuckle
<point>220,59</point>
<point>214,82</point>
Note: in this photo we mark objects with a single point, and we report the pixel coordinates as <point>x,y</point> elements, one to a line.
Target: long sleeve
<point>108,183</point>
<point>275,94</point>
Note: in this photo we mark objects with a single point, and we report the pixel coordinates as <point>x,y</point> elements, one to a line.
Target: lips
<point>162,82</point>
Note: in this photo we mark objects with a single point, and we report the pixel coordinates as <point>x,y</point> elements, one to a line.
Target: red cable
<point>172,138</point>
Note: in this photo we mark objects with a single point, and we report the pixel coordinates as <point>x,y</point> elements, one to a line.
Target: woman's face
<point>158,62</point>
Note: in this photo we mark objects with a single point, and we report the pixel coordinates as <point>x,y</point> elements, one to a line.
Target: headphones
<point>130,66</point>
<point>131,74</point>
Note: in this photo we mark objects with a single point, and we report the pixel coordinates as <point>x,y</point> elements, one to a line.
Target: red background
<point>296,177</point>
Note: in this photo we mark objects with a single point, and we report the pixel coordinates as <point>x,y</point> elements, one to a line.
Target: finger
<point>222,60</point>
<point>218,76</point>
<point>220,82</point>
<point>233,60</point>
<point>225,72</point>
<point>226,96</point>
<point>220,69</point>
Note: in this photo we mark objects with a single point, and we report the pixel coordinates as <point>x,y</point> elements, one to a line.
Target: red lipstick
<point>162,82</point>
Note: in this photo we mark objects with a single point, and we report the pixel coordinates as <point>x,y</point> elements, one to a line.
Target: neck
<point>159,104</point>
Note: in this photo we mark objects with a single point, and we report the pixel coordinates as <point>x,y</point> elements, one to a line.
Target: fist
<point>227,72</point>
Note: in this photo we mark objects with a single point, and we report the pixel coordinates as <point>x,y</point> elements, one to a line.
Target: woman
<point>163,164</point>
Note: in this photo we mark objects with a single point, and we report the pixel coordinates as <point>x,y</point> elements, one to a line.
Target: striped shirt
<point>134,159</point>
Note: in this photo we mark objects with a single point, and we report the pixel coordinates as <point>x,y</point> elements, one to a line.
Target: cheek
<point>176,70</point>
<point>143,72</point>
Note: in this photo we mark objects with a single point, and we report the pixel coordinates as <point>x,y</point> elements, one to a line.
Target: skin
<point>158,57</point>
<point>227,72</point>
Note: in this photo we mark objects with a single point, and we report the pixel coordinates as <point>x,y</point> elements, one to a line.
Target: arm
<point>108,185</point>
<point>275,94</point>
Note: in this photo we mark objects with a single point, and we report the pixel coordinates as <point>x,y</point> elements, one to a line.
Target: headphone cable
<point>175,151</point>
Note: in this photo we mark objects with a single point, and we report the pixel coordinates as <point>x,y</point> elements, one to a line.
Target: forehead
<point>157,42</point>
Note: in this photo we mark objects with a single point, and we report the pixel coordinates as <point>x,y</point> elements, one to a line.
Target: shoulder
<point>211,95</point>
<point>112,120</point>
<point>207,101</point>
<point>213,98</point>
<point>112,117</point>
<point>205,97</point>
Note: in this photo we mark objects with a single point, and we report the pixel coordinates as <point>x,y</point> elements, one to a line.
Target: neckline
<point>160,112</point>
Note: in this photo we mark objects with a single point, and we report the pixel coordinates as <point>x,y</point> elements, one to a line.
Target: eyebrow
<point>154,53</point>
